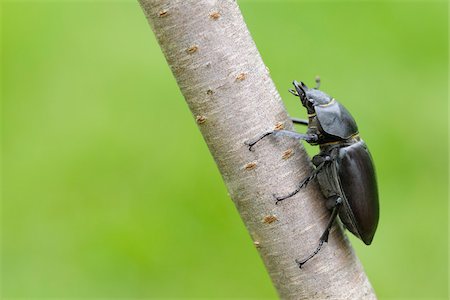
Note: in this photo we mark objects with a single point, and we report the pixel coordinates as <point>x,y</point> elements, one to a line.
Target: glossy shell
<point>336,120</point>
<point>357,181</point>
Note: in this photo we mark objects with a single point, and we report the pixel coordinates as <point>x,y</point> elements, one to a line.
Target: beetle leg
<point>250,144</point>
<point>303,184</point>
<point>324,237</point>
<point>310,138</point>
<point>299,121</point>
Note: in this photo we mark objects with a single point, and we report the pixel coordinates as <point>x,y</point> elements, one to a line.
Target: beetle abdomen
<point>357,178</point>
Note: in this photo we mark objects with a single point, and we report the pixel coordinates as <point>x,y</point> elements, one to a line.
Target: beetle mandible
<point>343,167</point>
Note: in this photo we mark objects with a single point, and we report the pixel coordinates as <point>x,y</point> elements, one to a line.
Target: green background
<point>102,199</point>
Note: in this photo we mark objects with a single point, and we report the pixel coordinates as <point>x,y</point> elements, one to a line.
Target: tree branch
<point>233,99</point>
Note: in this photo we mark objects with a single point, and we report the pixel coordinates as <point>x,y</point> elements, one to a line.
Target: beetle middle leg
<point>326,233</point>
<point>319,162</point>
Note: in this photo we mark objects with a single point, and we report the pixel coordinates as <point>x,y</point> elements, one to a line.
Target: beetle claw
<point>299,263</point>
<point>250,145</point>
<point>276,199</point>
<point>281,198</point>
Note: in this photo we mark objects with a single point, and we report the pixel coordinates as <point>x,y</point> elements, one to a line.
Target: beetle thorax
<point>327,146</point>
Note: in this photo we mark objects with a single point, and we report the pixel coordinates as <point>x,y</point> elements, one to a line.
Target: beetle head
<point>310,97</point>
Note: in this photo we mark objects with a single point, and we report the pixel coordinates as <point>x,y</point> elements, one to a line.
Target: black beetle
<point>344,166</point>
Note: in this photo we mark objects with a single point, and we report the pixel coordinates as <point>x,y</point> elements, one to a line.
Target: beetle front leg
<point>310,138</point>
<point>326,233</point>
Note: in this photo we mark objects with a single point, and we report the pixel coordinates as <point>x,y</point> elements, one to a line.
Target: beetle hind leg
<point>326,233</point>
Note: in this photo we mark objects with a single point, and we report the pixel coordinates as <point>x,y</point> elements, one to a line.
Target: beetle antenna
<point>317,83</point>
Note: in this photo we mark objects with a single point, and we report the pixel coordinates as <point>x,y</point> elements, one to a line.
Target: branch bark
<point>233,99</point>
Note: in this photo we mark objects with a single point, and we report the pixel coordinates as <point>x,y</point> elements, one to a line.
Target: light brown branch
<point>233,99</point>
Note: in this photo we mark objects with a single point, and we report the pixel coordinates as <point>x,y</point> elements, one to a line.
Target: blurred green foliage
<point>110,191</point>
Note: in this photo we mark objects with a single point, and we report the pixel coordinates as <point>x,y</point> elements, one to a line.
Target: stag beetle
<point>343,167</point>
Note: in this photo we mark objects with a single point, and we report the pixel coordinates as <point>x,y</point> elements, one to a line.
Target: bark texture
<point>233,99</point>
